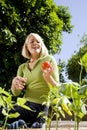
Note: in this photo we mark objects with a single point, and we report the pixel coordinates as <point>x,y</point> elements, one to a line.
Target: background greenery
<point>73,66</point>
<point>19,18</point>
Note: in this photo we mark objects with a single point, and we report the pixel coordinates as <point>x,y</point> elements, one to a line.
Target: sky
<point>71,42</point>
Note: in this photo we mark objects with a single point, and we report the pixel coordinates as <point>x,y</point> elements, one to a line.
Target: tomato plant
<point>7,103</point>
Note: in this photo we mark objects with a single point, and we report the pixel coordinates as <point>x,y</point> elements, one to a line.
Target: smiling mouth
<point>37,49</point>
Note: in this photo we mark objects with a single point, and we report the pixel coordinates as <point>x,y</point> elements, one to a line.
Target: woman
<point>34,79</point>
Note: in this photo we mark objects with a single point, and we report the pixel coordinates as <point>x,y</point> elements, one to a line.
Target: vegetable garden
<point>67,98</point>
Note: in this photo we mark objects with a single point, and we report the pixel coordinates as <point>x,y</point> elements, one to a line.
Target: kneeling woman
<point>35,79</point>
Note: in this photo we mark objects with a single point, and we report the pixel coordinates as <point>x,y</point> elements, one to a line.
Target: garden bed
<point>68,125</point>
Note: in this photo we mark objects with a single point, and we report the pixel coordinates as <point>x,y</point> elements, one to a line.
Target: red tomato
<point>46,65</point>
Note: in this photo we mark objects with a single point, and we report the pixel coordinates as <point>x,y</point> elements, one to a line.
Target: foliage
<point>78,107</point>
<point>59,105</point>
<point>7,103</point>
<point>61,66</point>
<point>67,98</point>
<point>73,67</point>
<point>65,16</point>
<point>21,17</point>
<point>83,40</point>
<point>83,61</point>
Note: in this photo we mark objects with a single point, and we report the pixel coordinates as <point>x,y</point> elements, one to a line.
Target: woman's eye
<point>32,41</point>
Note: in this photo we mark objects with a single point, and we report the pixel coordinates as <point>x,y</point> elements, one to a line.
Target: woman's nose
<point>35,42</point>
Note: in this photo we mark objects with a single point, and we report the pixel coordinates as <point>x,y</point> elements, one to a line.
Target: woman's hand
<point>47,72</point>
<point>47,69</point>
<point>18,83</point>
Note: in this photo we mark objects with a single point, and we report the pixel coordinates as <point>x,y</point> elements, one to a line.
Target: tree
<point>73,67</point>
<point>21,17</point>
<point>61,66</point>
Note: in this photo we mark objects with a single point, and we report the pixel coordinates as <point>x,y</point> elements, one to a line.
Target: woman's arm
<point>49,79</point>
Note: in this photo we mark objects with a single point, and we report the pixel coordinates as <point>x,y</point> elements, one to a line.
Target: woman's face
<point>34,46</point>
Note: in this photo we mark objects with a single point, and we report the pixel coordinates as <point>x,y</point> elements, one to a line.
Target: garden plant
<point>7,103</point>
<point>70,98</point>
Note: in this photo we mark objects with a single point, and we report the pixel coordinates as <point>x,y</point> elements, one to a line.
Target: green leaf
<point>9,99</point>
<point>83,108</point>
<point>13,115</point>
<point>83,90</point>
<point>4,112</point>
<point>84,61</point>
<point>69,89</point>
<point>26,107</point>
<point>2,102</point>
<point>21,102</point>
<point>2,91</point>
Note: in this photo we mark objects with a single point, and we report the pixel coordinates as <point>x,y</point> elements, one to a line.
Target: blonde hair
<point>25,51</point>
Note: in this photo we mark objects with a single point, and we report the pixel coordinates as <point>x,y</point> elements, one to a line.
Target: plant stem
<point>76,127</point>
<point>80,76</point>
<point>56,123</point>
<point>5,123</point>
